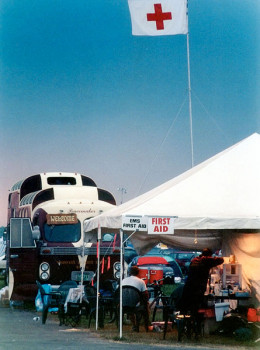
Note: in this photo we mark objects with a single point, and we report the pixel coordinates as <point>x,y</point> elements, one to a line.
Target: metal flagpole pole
<point>189,88</point>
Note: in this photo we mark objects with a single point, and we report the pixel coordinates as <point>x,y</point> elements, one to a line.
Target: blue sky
<point>80,93</point>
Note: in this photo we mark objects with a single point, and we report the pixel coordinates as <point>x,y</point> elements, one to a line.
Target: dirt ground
<point>21,329</point>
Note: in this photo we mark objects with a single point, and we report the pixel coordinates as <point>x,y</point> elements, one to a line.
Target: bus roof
<point>50,179</point>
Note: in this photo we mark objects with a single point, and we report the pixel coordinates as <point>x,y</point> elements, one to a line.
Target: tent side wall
<point>246,248</point>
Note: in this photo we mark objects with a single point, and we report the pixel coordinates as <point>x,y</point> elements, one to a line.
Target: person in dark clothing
<point>196,284</point>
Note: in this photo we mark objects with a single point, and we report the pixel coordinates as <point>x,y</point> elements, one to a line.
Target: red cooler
<point>150,274</point>
<point>156,274</point>
<point>144,274</point>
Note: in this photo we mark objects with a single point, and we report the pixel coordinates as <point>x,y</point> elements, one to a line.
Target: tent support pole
<point>82,267</point>
<point>121,279</point>
<point>98,274</point>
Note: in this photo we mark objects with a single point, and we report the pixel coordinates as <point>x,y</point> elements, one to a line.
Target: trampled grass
<point>111,332</point>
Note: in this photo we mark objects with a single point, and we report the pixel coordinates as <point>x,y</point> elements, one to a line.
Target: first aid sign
<point>160,225</point>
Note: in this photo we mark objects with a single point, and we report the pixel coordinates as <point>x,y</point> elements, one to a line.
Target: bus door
<point>23,260</point>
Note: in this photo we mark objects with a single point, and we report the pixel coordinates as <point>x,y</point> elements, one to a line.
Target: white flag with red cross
<point>158,17</point>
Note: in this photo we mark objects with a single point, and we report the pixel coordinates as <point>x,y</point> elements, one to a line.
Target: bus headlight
<point>44,276</point>
<point>116,270</point>
<point>44,271</point>
<point>45,266</point>
<point>117,266</point>
<point>117,275</point>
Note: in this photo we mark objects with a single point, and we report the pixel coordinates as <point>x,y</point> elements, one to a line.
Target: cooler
<point>156,274</point>
<point>150,274</point>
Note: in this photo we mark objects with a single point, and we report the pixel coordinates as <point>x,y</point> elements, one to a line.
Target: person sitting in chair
<point>134,281</point>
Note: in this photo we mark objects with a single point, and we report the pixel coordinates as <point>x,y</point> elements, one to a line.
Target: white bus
<point>45,237</point>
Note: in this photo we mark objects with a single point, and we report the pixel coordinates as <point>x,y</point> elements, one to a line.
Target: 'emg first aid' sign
<point>134,223</point>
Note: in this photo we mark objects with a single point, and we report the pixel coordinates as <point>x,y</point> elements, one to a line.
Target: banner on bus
<point>61,219</point>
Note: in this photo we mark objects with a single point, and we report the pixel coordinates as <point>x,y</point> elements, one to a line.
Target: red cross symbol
<point>159,16</point>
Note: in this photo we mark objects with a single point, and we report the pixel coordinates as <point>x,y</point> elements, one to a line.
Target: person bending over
<point>196,283</point>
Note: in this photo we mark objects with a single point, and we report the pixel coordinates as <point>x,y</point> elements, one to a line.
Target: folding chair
<point>132,305</point>
<point>90,301</point>
<point>49,298</point>
<point>71,315</point>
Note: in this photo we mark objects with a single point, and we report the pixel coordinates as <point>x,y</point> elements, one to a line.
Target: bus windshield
<point>62,233</point>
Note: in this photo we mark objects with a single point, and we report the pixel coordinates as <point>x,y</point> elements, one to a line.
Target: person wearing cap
<point>196,283</point>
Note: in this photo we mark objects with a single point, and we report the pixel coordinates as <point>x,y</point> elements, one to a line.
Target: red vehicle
<point>45,237</point>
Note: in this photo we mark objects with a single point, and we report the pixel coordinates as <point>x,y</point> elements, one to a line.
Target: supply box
<point>232,275</point>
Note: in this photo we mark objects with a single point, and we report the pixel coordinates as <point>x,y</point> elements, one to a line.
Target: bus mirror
<point>36,234</point>
<point>5,234</point>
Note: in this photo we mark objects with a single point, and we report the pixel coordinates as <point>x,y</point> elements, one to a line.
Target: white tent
<point>216,204</point>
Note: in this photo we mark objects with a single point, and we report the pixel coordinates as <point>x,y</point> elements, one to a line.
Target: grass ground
<point>111,332</point>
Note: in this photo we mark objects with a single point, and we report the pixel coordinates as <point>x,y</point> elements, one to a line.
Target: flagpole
<point>189,88</point>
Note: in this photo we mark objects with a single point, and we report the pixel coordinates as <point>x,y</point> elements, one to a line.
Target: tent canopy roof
<point>220,193</point>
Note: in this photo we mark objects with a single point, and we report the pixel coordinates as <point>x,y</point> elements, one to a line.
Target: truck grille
<point>77,251</point>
